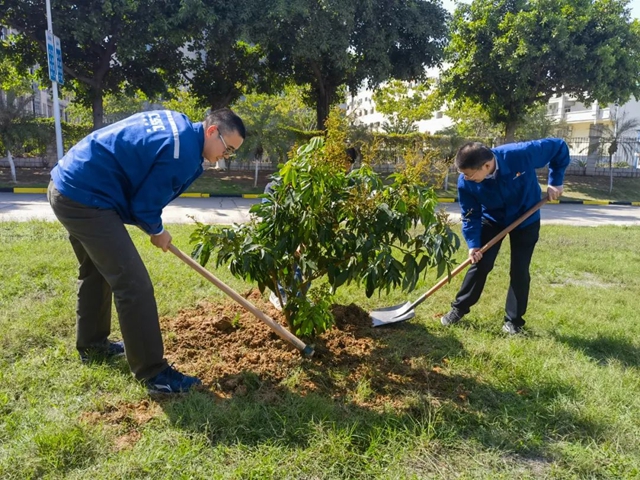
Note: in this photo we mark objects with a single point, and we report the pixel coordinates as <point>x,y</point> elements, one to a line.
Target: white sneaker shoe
<point>275,301</point>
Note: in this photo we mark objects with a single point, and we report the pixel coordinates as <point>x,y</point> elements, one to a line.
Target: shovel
<point>405,311</point>
<point>306,350</point>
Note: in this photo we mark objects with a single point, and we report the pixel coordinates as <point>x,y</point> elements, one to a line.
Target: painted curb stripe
<point>29,190</point>
<point>195,195</point>
<point>257,195</point>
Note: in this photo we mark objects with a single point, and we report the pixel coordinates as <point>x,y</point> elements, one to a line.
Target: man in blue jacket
<point>496,186</point>
<point>126,173</point>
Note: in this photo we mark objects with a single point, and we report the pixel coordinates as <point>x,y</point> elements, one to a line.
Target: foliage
<point>273,122</point>
<point>105,45</point>
<point>399,125</point>
<point>615,140</point>
<point>507,56</point>
<point>405,104</point>
<point>183,101</point>
<point>30,136</point>
<point>537,124</point>
<point>17,84</point>
<point>331,44</point>
<point>323,222</point>
<point>470,120</point>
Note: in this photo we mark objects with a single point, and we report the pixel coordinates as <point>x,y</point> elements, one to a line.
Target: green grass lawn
<point>562,402</point>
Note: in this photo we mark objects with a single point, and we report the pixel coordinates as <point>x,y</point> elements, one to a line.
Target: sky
<point>633,4</point>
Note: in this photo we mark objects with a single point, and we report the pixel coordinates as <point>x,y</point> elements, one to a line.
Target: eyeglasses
<point>228,151</point>
<point>469,177</point>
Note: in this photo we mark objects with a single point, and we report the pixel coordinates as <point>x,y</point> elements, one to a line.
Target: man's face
<point>478,175</point>
<point>219,145</point>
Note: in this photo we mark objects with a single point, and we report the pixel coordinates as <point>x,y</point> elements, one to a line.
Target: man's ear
<point>211,129</point>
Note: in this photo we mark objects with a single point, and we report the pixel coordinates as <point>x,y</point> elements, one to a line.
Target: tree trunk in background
<point>12,166</point>
<point>510,132</point>
<point>98,109</point>
<point>322,108</point>
<point>610,173</point>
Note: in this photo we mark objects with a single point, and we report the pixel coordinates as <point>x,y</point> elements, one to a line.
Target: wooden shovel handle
<point>282,332</point>
<point>466,263</point>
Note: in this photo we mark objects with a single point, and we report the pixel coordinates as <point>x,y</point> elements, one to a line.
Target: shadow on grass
<point>604,349</point>
<point>403,390</point>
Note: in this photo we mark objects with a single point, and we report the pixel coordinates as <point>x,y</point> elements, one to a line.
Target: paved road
<point>22,207</point>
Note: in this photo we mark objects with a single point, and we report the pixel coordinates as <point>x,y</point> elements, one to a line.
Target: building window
<point>438,114</point>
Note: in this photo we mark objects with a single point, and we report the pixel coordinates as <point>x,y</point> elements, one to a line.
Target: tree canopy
<point>350,42</point>
<point>107,47</point>
<point>508,56</point>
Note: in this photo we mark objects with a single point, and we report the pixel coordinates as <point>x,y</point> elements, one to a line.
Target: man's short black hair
<point>472,156</point>
<point>226,120</point>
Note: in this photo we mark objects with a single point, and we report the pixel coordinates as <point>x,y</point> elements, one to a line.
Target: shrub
<point>322,222</point>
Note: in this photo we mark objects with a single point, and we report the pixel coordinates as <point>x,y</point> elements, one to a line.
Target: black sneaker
<point>512,329</point>
<point>453,317</point>
<point>112,350</point>
<point>171,381</point>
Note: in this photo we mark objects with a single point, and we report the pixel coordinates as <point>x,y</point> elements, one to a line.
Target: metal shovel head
<point>389,315</point>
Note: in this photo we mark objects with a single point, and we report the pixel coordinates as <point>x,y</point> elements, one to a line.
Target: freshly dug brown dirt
<point>236,354</point>
<point>231,350</point>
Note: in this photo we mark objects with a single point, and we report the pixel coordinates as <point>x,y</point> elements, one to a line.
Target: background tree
<point>620,137</point>
<point>268,119</point>
<point>404,104</point>
<point>507,56</point>
<point>107,47</point>
<point>331,44</point>
<point>221,63</point>
<point>17,83</point>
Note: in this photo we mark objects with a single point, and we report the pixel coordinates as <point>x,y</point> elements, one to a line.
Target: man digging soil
<point>126,173</point>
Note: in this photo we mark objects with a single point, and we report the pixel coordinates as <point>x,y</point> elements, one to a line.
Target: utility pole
<point>55,76</point>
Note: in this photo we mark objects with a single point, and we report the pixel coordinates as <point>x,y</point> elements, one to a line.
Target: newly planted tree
<point>325,225</point>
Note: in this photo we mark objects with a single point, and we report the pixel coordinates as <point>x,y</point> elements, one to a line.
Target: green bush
<point>321,222</point>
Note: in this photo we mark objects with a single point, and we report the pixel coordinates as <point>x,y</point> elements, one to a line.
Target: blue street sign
<point>54,58</point>
<point>51,56</point>
<point>59,69</point>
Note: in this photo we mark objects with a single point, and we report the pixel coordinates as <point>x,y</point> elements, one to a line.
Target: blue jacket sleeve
<point>165,181</point>
<point>553,152</point>
<point>471,211</point>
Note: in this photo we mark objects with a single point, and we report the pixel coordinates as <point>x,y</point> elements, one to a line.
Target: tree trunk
<point>322,108</point>
<point>610,173</point>
<point>98,109</point>
<point>12,166</point>
<point>510,132</point>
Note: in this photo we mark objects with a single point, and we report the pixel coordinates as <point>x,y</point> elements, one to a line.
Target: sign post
<point>54,57</point>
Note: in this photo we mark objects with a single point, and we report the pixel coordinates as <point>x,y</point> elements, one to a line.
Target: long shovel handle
<point>466,263</point>
<point>282,332</point>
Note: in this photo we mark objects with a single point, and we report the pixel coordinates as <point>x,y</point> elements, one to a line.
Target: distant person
<point>126,173</point>
<point>496,186</point>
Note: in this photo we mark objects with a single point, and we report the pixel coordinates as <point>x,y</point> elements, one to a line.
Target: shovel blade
<point>390,315</point>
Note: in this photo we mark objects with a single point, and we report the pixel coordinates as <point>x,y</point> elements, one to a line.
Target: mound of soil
<point>232,351</point>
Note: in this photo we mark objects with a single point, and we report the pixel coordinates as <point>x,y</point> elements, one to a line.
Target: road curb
<point>570,202</point>
<point>184,195</point>
<point>257,195</point>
